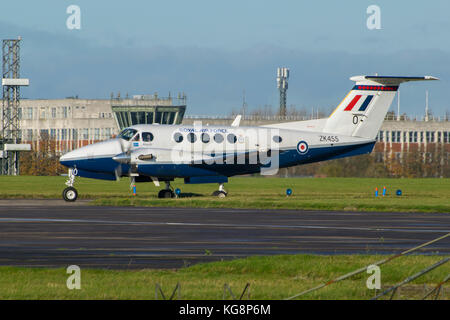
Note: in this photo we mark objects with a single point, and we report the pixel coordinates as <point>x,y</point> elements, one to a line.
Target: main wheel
<point>166,194</point>
<point>70,194</point>
<point>219,194</point>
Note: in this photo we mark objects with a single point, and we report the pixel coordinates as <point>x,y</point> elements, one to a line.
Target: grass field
<point>423,195</point>
<point>274,277</point>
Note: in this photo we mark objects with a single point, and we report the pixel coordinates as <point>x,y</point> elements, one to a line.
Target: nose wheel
<point>70,194</point>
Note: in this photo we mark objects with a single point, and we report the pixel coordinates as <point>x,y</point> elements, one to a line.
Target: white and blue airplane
<point>211,154</point>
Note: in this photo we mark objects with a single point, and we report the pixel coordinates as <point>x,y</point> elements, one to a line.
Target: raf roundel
<point>302,147</point>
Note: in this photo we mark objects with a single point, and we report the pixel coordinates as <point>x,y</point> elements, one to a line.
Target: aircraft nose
<point>108,148</point>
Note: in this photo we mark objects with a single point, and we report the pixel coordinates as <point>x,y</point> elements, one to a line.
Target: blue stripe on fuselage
<point>286,159</point>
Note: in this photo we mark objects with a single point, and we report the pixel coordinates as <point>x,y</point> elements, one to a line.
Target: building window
<point>380,136</point>
<point>415,136</point>
<point>75,134</point>
<point>29,134</point>
<point>29,114</point>
<point>53,134</point>
<point>446,134</point>
<point>63,134</point>
<point>19,113</point>
<point>43,134</point>
<point>53,113</point>
<point>65,112</point>
<point>108,133</point>
<point>97,134</point>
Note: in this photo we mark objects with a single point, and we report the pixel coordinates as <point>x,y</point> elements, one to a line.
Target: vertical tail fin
<point>362,111</point>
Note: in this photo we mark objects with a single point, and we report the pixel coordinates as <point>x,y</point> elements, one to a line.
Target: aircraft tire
<point>164,194</point>
<point>219,194</point>
<point>70,194</point>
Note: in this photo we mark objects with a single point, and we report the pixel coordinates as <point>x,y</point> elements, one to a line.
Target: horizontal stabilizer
<point>390,80</point>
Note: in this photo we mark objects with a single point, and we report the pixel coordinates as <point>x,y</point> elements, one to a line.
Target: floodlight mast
<point>10,130</point>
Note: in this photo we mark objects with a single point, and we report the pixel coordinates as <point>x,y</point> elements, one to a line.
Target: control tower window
<point>127,134</point>
<point>147,136</point>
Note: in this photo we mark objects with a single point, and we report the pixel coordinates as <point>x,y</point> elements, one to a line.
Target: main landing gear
<point>167,192</point>
<point>70,194</point>
<point>221,193</point>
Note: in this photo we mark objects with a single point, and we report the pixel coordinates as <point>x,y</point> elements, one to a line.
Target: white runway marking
<point>220,225</point>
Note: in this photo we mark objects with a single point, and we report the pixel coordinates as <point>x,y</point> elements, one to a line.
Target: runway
<point>51,233</point>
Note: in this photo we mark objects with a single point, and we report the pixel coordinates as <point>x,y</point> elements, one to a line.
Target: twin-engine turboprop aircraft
<point>211,154</point>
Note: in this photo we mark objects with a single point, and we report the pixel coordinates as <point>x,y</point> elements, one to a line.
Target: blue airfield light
<point>398,192</point>
<point>177,191</point>
<point>288,192</point>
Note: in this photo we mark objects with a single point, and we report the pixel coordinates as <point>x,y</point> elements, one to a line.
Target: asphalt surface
<point>52,233</point>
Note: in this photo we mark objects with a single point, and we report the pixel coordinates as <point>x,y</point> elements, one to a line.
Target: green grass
<point>419,195</point>
<point>274,277</point>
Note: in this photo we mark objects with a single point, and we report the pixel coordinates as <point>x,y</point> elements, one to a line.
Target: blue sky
<point>213,50</point>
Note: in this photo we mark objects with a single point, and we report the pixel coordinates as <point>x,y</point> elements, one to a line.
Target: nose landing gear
<point>70,194</point>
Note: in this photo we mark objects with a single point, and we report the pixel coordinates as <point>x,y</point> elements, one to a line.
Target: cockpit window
<point>127,134</point>
<point>147,136</point>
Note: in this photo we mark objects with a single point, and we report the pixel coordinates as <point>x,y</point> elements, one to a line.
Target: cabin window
<point>178,137</point>
<point>205,137</point>
<point>191,137</point>
<point>218,138</point>
<point>277,139</point>
<point>147,136</point>
<point>231,138</point>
